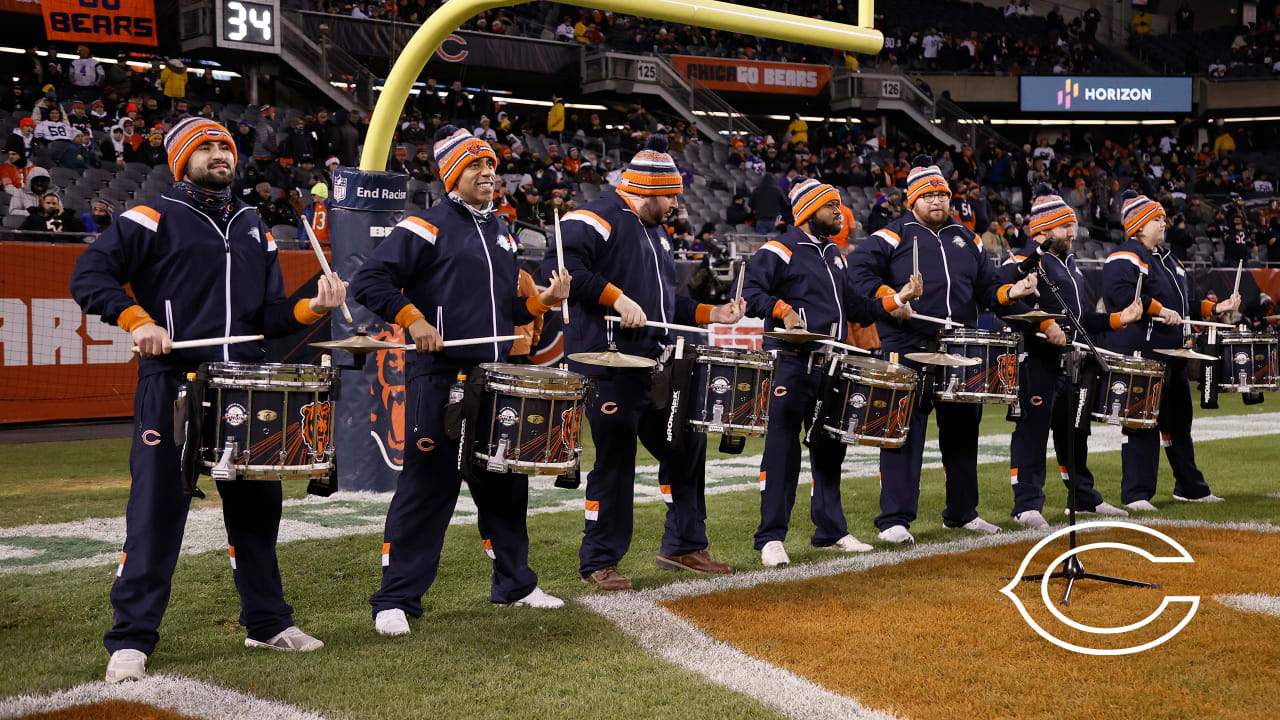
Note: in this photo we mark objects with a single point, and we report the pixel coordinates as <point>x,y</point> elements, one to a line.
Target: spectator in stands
<point>993,241</point>
<point>297,142</point>
<point>1269,238</point>
<point>1217,70</point>
<point>173,78</point>
<point>530,209</point>
<point>412,132</point>
<point>99,217</point>
<point>87,74</point>
<point>737,213</point>
<point>1178,238</point>
<point>78,119</point>
<point>555,118</point>
<point>79,156</point>
<point>155,154</point>
<point>882,213</point>
<point>1238,243</point>
<point>244,139</point>
<point>320,131</point>
<point>399,161</point>
<point>50,216</point>
<point>564,31</point>
<point>485,132</point>
<point>798,130</point>
<point>54,127</point>
<point>482,104</point>
<point>769,205</point>
<point>112,149</point>
<point>1141,23</point>
<point>266,142</point>
<point>1184,20</point>
<point>458,104</point>
<point>346,143</point>
<point>16,168</point>
<point>27,198</point>
<point>25,132</point>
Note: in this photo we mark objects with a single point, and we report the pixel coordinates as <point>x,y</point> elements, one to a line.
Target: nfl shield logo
<point>339,188</point>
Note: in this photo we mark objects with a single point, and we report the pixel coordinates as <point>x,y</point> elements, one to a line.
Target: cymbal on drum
<point>1185,354</point>
<point>613,358</point>
<point>797,336</point>
<point>1035,316</point>
<point>358,344</point>
<point>870,363</point>
<point>945,359</point>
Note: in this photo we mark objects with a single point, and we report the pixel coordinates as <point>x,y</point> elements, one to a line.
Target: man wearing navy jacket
<point>958,279</point>
<point>799,279</point>
<point>622,264</point>
<point>1044,388</point>
<point>200,264</point>
<point>1165,295</point>
<point>458,260</point>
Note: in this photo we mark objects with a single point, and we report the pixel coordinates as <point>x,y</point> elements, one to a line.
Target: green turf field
<point>466,658</point>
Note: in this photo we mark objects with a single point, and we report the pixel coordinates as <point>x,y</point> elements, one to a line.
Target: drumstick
<point>468,341</point>
<point>915,258</point>
<point>940,321</point>
<point>207,342</point>
<point>564,304</point>
<point>668,326</point>
<point>1082,346</point>
<point>324,264</point>
<point>843,346</point>
<point>742,275</point>
<point>1137,289</point>
<point>1239,270</point>
<point>1206,323</point>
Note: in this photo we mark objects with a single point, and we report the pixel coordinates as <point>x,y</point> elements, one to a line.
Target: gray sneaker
<point>126,665</point>
<point>291,639</point>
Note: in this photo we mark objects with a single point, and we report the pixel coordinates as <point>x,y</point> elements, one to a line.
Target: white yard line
<point>1253,602</point>
<point>183,695</point>
<point>640,615</point>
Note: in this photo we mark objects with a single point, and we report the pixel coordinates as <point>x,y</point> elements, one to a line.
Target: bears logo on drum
<point>1007,369</point>
<point>317,425</point>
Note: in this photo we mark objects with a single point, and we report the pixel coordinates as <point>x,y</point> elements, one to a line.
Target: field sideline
<point>467,658</point>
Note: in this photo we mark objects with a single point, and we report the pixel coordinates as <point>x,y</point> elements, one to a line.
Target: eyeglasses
<point>935,197</point>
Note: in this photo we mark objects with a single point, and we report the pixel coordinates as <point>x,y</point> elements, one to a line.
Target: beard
<point>215,179</point>
<point>824,229</point>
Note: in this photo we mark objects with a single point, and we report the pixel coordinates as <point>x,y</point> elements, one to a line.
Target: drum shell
<point>538,411</point>
<point>994,380</point>
<point>1129,394</point>
<point>279,415</point>
<point>870,407</point>
<point>1251,354</point>
<point>737,382</point>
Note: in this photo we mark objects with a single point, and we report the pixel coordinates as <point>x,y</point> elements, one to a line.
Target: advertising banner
<point>132,22</point>
<point>774,78</point>
<point>1104,94</point>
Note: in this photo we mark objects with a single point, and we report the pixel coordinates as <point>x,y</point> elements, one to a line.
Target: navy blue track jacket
<point>456,270</point>
<point>609,250</point>
<point>1066,276</point>
<point>1164,284</point>
<point>192,278</point>
<point>797,271</point>
<point>958,276</point>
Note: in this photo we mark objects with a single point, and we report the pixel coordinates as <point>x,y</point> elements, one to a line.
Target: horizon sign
<point>1104,94</point>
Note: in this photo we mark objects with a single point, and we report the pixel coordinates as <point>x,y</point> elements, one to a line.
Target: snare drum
<point>870,403</point>
<point>1249,362</point>
<point>530,419</point>
<point>1129,394</point>
<point>267,421</point>
<point>993,380</point>
<point>731,390</point>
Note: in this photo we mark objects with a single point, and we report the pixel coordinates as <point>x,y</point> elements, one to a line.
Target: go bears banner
<point>129,22</point>
<point>773,78</point>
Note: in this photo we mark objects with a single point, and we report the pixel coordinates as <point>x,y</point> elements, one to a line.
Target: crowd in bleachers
<point>1220,53</point>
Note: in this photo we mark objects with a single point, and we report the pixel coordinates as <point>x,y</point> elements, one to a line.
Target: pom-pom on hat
<point>807,196</point>
<point>924,178</point>
<point>455,148</point>
<point>652,171</point>
<point>1049,210</point>
<point>187,135</point>
<point>1138,210</point>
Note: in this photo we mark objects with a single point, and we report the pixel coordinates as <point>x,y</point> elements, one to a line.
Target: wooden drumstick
<point>208,342</point>
<point>564,304</point>
<point>1137,289</point>
<point>668,326</point>
<point>843,346</point>
<point>742,275</point>
<point>1239,270</point>
<point>324,264</point>
<point>468,341</point>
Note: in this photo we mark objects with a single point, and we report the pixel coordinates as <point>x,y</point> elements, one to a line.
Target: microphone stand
<point>1072,568</point>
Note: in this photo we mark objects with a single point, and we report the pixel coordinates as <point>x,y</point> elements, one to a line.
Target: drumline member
<point>456,259</point>
<point>1044,395</point>
<point>621,262</point>
<point>799,279</point>
<point>958,279</point>
<point>1165,295</point>
<point>200,264</point>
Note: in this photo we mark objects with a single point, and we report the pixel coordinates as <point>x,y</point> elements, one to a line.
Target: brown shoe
<point>699,562</point>
<point>608,579</point>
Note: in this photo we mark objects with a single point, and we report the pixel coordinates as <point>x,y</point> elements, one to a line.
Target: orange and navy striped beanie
<point>455,149</point>
<point>187,135</point>
<point>1138,210</point>
<point>1049,211</point>
<point>924,178</point>
<point>807,196</point>
<point>652,171</point>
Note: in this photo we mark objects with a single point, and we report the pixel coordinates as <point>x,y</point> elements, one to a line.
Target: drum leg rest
<point>570,480</point>
<point>732,444</point>
<point>225,469</point>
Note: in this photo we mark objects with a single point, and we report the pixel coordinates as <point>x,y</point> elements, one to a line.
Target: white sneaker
<point>849,543</point>
<point>896,534</point>
<point>1210,498</point>
<point>539,599</point>
<point>1031,519</point>
<point>1142,506</point>
<point>1103,508</point>
<point>979,525</point>
<point>291,639</point>
<point>774,555</point>
<point>391,622</point>
<point>126,665</point>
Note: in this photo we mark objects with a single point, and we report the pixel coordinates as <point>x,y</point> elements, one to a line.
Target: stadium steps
<point>319,64</point>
